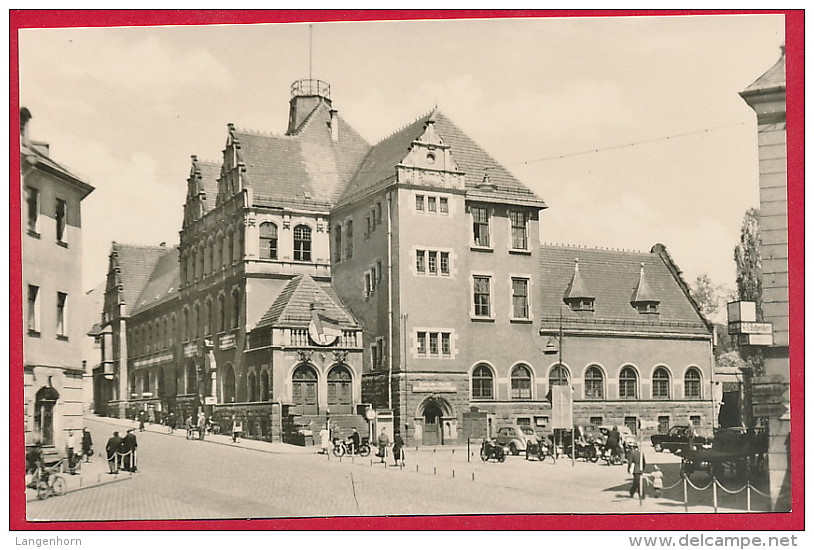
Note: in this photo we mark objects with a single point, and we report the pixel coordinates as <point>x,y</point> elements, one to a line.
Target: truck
<point>677,438</point>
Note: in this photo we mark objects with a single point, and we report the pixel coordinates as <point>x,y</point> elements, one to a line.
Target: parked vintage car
<point>677,438</point>
<point>589,433</point>
<point>515,438</point>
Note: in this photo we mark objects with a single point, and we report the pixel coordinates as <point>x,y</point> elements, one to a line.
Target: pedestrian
<point>636,464</point>
<point>141,418</point>
<point>72,445</point>
<point>612,443</point>
<point>112,449</point>
<point>325,440</point>
<point>127,448</point>
<point>172,422</point>
<point>657,479</point>
<point>383,442</point>
<point>355,440</point>
<point>201,425</point>
<point>398,450</point>
<point>87,444</point>
<point>237,429</point>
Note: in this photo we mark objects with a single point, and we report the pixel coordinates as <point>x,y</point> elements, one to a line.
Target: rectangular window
<point>62,304</point>
<point>378,217</point>
<point>696,420</point>
<point>419,203</point>
<point>632,423</point>
<point>664,424</point>
<point>597,420</point>
<point>379,270</point>
<point>433,343</point>
<point>480,225</point>
<point>349,239</point>
<point>521,421</point>
<point>368,284</point>
<point>443,205</point>
<point>520,298</point>
<point>419,260</point>
<point>374,356</point>
<point>431,204</point>
<point>432,262</point>
<point>61,216</point>
<point>446,344</point>
<point>369,224</point>
<point>33,309</point>
<point>519,230</point>
<point>372,279</point>
<point>421,339</point>
<point>32,202</point>
<point>444,263</point>
<point>482,297</point>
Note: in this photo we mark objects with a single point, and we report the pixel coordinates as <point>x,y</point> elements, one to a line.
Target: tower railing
<point>310,86</point>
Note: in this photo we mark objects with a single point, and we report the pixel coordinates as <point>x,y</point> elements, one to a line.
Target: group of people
<point>121,452</point>
<point>383,442</point>
<point>77,448</point>
<point>636,465</point>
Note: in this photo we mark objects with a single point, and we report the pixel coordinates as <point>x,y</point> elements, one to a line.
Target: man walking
<point>383,442</point>
<point>112,449</point>
<point>201,425</point>
<point>87,444</point>
<point>612,443</point>
<point>398,450</point>
<point>237,429</point>
<point>72,446</point>
<point>636,463</point>
<point>128,450</point>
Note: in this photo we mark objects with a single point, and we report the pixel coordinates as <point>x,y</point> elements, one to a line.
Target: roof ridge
<point>261,133</point>
<point>597,248</point>
<point>144,246</point>
<point>405,126</point>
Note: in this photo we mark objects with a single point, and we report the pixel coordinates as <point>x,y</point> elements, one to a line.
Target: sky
<point>630,128</point>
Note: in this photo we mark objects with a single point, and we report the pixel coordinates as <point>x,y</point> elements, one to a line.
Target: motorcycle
<point>490,450</point>
<point>346,447</point>
<point>613,457</point>
<point>586,450</point>
<point>539,450</point>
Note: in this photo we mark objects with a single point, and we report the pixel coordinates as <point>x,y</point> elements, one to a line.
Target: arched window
<point>207,316</point>
<point>230,240</point>
<point>594,383</point>
<point>217,255</point>
<point>338,243</point>
<point>628,382</point>
<point>302,243</point>
<point>304,390</point>
<point>340,394</point>
<point>239,244</point>
<point>193,265</point>
<point>268,241</point>
<point>265,385</point>
<point>201,261</point>
<point>192,378</point>
<point>349,239</point>
<point>221,313</point>
<point>235,308</point>
<point>171,332</point>
<point>521,383</point>
<point>196,321</point>
<point>229,385</point>
<point>558,376</point>
<point>146,381</point>
<point>692,384</point>
<point>483,383</point>
<point>185,328</point>
<point>252,383</point>
<point>661,383</point>
<point>161,387</point>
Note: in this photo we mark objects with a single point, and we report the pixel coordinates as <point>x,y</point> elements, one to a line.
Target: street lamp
<point>550,349</point>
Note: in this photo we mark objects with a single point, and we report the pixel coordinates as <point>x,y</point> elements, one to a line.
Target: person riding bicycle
<point>613,442</point>
<point>354,441</point>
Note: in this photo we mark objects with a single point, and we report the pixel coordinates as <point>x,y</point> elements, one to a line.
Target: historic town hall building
<point>320,277</point>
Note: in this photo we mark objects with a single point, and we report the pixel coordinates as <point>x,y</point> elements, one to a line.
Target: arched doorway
<point>437,421</point>
<point>340,390</point>
<point>229,386</point>
<point>45,400</point>
<point>191,385</point>
<point>304,390</point>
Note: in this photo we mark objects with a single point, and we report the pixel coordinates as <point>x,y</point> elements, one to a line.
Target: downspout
<point>390,301</point>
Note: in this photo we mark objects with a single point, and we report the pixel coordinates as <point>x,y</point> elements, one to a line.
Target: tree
<point>748,267</point>
<point>707,295</point>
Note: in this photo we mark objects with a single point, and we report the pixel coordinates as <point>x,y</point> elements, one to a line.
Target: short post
<point>434,462</point>
<point>715,494</point>
<point>468,450</point>
<point>453,463</point>
<point>686,506</point>
<point>748,496</point>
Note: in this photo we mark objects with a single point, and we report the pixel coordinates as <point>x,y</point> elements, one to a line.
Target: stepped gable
<point>164,282</point>
<point>612,276</point>
<point>292,308</point>
<point>379,167</point>
<point>135,267</point>
<point>209,172</point>
<point>305,168</point>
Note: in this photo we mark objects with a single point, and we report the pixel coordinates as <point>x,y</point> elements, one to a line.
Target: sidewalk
<point>221,439</point>
<point>90,474</point>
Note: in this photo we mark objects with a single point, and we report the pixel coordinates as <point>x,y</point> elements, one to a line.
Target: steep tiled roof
<point>307,168</point>
<point>612,277</point>
<point>293,305</point>
<point>136,265</point>
<point>775,77</point>
<point>379,167</point>
<point>210,172</point>
<point>163,283</point>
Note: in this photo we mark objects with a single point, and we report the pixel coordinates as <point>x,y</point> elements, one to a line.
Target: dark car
<point>590,433</point>
<point>678,439</point>
<point>515,438</point>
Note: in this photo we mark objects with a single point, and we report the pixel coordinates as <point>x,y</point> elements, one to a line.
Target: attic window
<point>647,307</point>
<point>430,158</point>
<point>581,304</point>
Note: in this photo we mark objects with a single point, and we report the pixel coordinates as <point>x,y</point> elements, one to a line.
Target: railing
<point>298,337</point>
<point>612,321</point>
<point>310,86</point>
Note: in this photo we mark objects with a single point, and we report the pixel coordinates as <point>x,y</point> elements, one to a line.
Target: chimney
<point>334,124</point>
<point>25,116</point>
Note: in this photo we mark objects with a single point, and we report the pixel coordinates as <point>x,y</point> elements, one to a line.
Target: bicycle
<point>48,481</point>
<point>342,447</point>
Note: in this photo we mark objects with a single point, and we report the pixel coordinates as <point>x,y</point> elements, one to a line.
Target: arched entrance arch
<point>45,401</point>
<point>436,422</point>
<point>229,385</point>
<point>191,385</point>
<point>304,392</point>
<point>340,390</point>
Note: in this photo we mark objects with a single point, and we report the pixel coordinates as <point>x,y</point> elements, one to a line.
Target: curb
<point>82,488</point>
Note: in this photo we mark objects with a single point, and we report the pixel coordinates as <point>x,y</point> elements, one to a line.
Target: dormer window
<point>577,296</point>
<point>647,307</point>
<point>583,304</point>
<point>644,299</point>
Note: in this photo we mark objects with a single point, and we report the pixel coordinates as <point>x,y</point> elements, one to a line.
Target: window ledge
<point>62,337</point>
<point>34,333</point>
<point>483,319</point>
<point>63,244</point>
<point>478,248</point>
<point>32,233</point>
<point>520,251</point>
<point>521,320</point>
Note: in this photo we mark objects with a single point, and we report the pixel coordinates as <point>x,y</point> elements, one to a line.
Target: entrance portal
<point>436,423</point>
<point>433,434</point>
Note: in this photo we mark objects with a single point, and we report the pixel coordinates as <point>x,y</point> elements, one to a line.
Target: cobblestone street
<point>180,479</point>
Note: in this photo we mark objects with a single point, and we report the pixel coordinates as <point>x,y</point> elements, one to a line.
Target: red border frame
<point>21,19</point>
